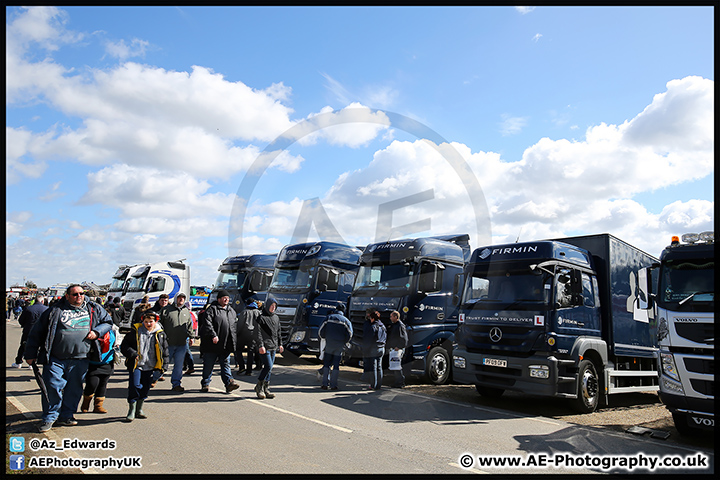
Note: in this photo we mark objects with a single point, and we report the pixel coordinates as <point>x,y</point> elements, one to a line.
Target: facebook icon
<point>17,462</point>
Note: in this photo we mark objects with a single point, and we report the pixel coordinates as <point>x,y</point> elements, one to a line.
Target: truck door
<point>577,303</point>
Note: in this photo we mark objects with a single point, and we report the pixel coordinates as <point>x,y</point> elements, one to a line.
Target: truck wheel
<point>437,366</point>
<point>588,389</point>
<point>489,392</point>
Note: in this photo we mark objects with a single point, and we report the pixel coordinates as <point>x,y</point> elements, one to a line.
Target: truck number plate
<point>494,362</point>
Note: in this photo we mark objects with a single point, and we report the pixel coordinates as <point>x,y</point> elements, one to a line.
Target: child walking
<point>146,350</point>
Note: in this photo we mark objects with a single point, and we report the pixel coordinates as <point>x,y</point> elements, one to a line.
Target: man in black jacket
<point>217,341</point>
<point>27,319</point>
<point>60,340</point>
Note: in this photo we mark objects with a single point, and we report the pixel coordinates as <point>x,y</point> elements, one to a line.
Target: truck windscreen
<point>686,284</point>
<point>116,285</point>
<point>291,279</point>
<point>231,280</point>
<point>137,284</point>
<point>383,277</point>
<point>503,285</point>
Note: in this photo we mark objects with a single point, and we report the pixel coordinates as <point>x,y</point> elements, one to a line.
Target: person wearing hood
<point>60,341</point>
<point>337,332</point>
<point>217,341</point>
<point>146,351</point>
<point>373,344</point>
<point>268,342</point>
<point>247,323</point>
<point>176,320</point>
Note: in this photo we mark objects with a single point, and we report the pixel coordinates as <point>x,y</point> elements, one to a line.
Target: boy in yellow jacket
<point>146,351</point>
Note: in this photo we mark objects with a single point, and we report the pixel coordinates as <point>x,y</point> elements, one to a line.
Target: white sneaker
<point>17,365</point>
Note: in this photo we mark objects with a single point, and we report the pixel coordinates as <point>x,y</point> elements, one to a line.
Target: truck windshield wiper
<point>692,296</point>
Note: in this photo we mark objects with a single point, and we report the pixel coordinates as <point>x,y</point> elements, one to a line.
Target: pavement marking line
<point>282,410</point>
<point>17,404</point>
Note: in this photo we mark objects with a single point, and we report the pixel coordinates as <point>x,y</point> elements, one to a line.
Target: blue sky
<point>130,129</point>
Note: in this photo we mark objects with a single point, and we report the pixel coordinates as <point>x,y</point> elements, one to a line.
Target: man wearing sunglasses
<point>60,341</point>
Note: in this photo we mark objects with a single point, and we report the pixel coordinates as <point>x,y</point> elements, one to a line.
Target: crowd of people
<point>77,342</point>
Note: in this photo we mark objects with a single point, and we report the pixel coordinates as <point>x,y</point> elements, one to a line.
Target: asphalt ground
<point>623,411</point>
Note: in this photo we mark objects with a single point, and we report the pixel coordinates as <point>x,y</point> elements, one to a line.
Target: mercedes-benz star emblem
<point>495,334</point>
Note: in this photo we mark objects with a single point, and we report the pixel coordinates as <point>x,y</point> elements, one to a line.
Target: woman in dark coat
<point>269,342</point>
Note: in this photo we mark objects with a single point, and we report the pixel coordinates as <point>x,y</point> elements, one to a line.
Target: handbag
<point>395,359</point>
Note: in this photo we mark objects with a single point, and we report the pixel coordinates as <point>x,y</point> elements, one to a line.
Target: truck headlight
<point>671,386</point>
<point>297,337</point>
<point>668,366</point>
<point>458,362</point>
<point>539,371</point>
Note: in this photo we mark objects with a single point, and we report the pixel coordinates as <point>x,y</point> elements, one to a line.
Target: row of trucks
<point>578,318</point>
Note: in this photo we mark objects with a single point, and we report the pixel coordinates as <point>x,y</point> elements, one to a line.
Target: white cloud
<point>123,51</point>
<point>559,187</point>
<point>524,10</point>
<point>353,126</point>
<point>149,192</point>
<point>536,37</point>
<point>512,125</point>
<point>135,114</point>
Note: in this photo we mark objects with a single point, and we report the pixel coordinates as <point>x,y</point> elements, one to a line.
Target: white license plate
<point>494,362</point>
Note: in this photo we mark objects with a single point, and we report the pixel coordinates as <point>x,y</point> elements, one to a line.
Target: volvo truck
<point>308,282</point>
<point>153,280</point>
<point>684,303</point>
<point>243,277</point>
<point>562,318</point>
<point>421,279</point>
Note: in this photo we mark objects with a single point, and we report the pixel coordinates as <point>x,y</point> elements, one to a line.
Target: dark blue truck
<point>422,279</point>
<point>561,318</point>
<point>243,277</point>
<point>309,281</point>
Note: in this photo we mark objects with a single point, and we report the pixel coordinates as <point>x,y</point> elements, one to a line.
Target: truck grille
<point>515,338</point>
<point>285,326</point>
<point>697,332</point>
<point>700,365</point>
<point>706,387</point>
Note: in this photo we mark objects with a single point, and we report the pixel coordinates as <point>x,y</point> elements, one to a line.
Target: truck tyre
<point>437,366</point>
<point>489,392</point>
<point>588,389</point>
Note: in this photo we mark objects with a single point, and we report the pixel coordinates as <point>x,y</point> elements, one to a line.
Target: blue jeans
<point>177,357</point>
<point>372,369</point>
<point>209,359</point>
<point>139,387</point>
<point>331,360</point>
<point>64,381</point>
<point>268,360</point>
